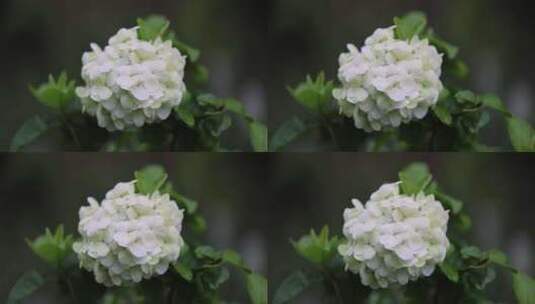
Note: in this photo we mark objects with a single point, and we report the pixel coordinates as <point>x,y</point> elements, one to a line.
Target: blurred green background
<point>42,37</point>
<point>40,191</point>
<point>496,40</point>
<point>312,190</point>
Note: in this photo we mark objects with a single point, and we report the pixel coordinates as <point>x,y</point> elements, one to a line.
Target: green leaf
<point>25,286</point>
<point>214,277</point>
<point>451,203</point>
<point>192,53</point>
<point>481,277</point>
<point>410,25</point>
<point>31,130</point>
<point>443,114</point>
<point>186,116</point>
<point>498,257</point>
<point>229,104</point>
<point>452,264</point>
<point>494,102</point>
<point>415,178</point>
<point>184,271</point>
<point>463,222</point>
<point>293,286</point>
<point>199,74</point>
<point>458,69</point>
<point>152,27</point>
<point>318,249</point>
<point>150,179</point>
<point>521,134</point>
<point>55,94</point>
<point>257,287</point>
<point>197,224</point>
<point>467,97</point>
<point>288,132</point>
<point>472,252</point>
<point>258,133</point>
<point>188,204</point>
<point>524,288</point>
<point>314,94</point>
<point>52,248</point>
<point>207,252</point>
<point>449,271</point>
<point>234,259</point>
<point>442,46</point>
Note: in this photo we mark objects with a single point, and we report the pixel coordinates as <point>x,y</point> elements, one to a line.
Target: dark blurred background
<point>255,49</point>
<point>40,191</point>
<point>256,203</point>
<point>42,37</point>
<point>496,39</point>
<point>312,190</point>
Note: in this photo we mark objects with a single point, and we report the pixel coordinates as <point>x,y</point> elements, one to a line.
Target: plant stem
<point>329,128</point>
<point>431,146</point>
<point>171,295</point>
<point>71,130</point>
<point>437,293</point>
<point>71,288</point>
<point>335,286</point>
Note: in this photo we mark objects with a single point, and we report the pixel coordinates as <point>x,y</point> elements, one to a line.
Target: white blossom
<point>394,238</point>
<point>131,82</point>
<point>129,236</point>
<point>389,81</point>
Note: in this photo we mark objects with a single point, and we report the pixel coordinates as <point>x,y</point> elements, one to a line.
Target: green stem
<point>71,288</point>
<point>431,146</point>
<point>329,128</point>
<point>71,130</point>
<point>334,284</point>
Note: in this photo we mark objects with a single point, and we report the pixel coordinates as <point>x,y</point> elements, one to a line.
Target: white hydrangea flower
<point>389,81</point>
<point>131,82</point>
<point>129,236</point>
<point>395,238</point>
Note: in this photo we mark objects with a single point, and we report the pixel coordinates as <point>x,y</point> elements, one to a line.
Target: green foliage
<point>152,27</point>
<point>52,248</point>
<point>258,133</point>
<point>494,102</point>
<point>442,46</point>
<point>198,276</point>
<point>463,277</point>
<point>192,53</point>
<point>314,94</point>
<point>26,285</point>
<point>257,288</point>
<point>444,107</point>
<point>454,125</point>
<point>415,178</point>
<point>317,248</point>
<point>288,132</point>
<point>186,203</point>
<point>150,179</point>
<point>31,130</point>
<point>198,123</point>
<point>293,286</point>
<point>524,288</point>
<point>55,94</point>
<point>522,135</point>
<point>410,25</point>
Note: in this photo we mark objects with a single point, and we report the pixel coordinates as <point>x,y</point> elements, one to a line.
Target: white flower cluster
<point>394,238</point>
<point>132,82</point>
<point>389,81</point>
<point>129,236</point>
